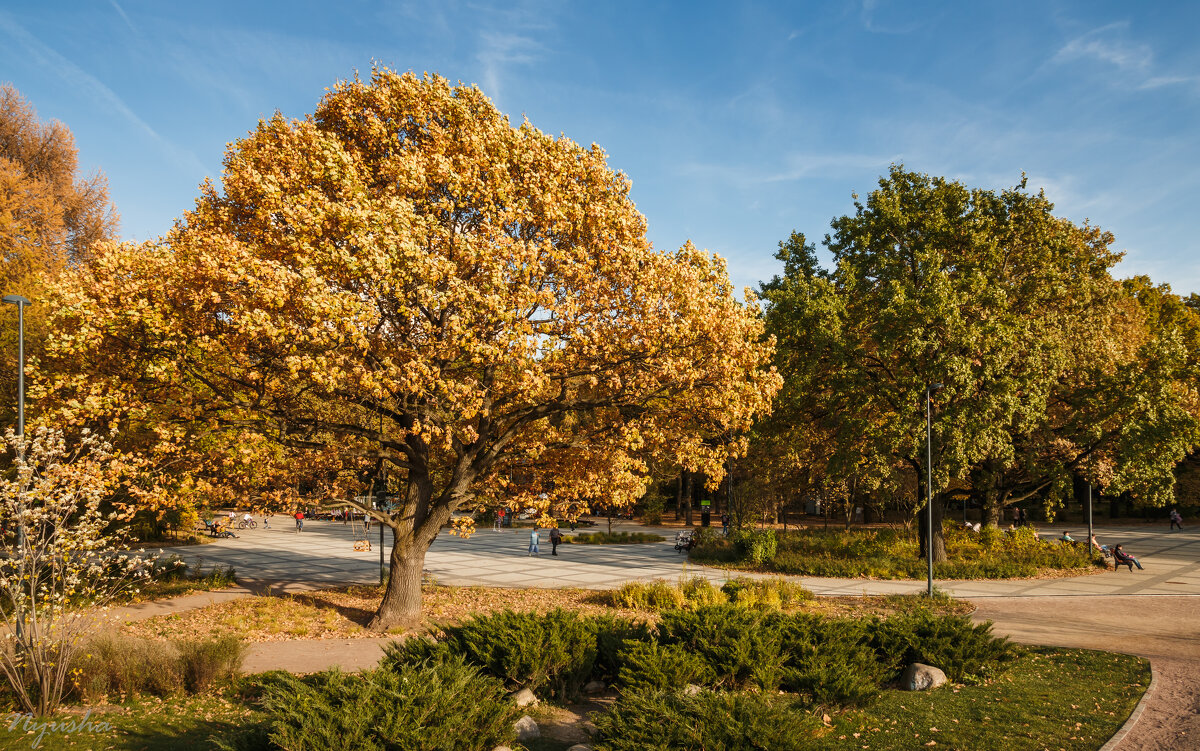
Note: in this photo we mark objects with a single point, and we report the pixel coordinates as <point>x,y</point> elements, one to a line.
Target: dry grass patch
<point>344,612</point>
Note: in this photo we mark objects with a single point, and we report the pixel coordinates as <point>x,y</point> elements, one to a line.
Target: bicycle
<point>243,524</point>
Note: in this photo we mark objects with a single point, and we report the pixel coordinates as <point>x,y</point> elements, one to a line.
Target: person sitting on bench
<point>1100,548</point>
<point>1124,559</point>
<point>1067,539</point>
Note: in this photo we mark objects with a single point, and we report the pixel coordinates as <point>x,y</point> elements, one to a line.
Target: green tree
<point>1009,307</point>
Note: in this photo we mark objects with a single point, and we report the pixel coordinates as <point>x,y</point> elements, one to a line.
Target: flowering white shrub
<point>59,570</point>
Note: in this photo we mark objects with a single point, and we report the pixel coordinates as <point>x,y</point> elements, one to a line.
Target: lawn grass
<point>144,724</point>
<point>1053,698</point>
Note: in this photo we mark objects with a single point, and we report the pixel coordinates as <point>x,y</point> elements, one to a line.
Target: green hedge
<point>892,554</point>
<point>834,662</point>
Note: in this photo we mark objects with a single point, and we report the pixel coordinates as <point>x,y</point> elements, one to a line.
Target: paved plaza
<point>323,555</point>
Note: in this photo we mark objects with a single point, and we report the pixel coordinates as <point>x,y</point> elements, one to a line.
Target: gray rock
<point>918,677</point>
<point>691,689</point>
<point>588,727</point>
<point>527,729</point>
<point>525,698</point>
<point>580,747</point>
<point>593,687</point>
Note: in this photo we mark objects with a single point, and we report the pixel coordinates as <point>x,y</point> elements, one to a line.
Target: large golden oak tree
<point>404,279</point>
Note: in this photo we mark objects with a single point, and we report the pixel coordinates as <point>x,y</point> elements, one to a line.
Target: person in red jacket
<point>299,520</point>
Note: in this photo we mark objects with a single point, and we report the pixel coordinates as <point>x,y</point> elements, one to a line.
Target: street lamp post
<point>20,302</point>
<point>929,483</point>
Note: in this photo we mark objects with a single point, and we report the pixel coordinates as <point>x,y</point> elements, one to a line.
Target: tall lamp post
<point>929,482</point>
<point>20,302</point>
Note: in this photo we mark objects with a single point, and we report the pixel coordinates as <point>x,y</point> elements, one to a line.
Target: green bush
<point>612,633</point>
<point>708,720</point>
<point>756,546</point>
<point>442,705</point>
<point>551,654</point>
<point>653,666</point>
<point>741,647</point>
<point>962,649</point>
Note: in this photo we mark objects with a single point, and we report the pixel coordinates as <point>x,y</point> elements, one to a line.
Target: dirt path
<point>1162,629</point>
<point>314,655</point>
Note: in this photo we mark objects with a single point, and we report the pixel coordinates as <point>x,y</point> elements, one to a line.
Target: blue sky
<point>737,122</point>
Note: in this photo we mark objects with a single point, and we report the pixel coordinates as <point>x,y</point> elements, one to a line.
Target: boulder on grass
<point>525,698</point>
<point>593,687</point>
<point>918,677</point>
<point>527,729</point>
<point>691,689</point>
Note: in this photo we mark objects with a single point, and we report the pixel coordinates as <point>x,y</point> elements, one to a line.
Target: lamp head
<point>16,300</point>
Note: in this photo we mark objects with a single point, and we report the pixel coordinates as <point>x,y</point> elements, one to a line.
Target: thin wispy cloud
<point>1134,61</point>
<point>88,84</point>
<point>791,167</point>
<point>868,16</point>
<point>124,16</point>
<point>500,51</point>
<point>1106,45</point>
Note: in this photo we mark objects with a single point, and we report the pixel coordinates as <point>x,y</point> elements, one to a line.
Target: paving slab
<point>323,554</point>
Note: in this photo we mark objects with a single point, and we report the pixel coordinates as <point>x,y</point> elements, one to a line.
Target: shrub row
<point>828,661</point>
<point>891,554</point>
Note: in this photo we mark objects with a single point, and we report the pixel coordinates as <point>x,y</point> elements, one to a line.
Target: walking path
<point>323,555</point>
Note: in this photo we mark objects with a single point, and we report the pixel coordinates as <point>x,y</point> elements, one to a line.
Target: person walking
<point>1176,520</point>
<point>299,520</point>
<point>555,538</point>
<point>533,542</point>
<point>1125,559</point>
<point>725,524</point>
<point>266,520</point>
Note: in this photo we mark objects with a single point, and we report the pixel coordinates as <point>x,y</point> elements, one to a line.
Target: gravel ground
<point>1162,629</point>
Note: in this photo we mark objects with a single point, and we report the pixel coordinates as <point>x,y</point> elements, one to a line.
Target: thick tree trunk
<point>401,606</point>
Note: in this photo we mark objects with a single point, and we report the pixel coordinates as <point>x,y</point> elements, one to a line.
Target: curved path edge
<point>1135,715</point>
